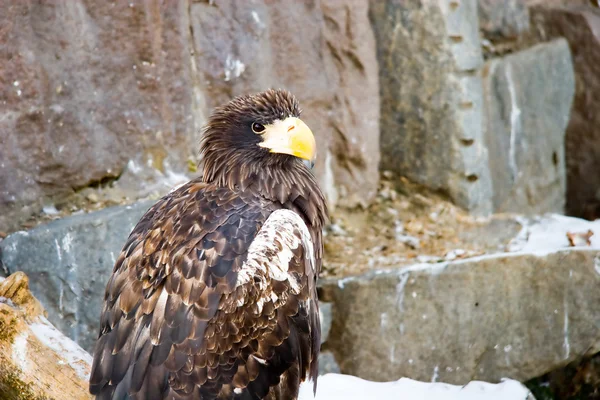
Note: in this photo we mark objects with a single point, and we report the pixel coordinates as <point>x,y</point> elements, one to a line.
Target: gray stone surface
<point>578,23</point>
<point>431,96</point>
<point>68,263</point>
<point>528,101</point>
<point>512,315</point>
<point>503,19</point>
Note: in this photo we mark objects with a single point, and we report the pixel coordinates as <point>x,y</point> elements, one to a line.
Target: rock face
<point>69,262</point>
<point>579,25</point>
<point>513,315</point>
<point>431,96</point>
<point>78,102</point>
<point>528,101</point>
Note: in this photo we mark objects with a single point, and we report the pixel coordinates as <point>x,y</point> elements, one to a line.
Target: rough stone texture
<point>78,101</point>
<point>431,96</point>
<point>69,261</point>
<point>515,316</point>
<point>528,101</point>
<point>504,19</point>
<point>248,46</point>
<point>581,27</point>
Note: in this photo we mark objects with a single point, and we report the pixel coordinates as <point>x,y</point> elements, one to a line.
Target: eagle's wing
<point>208,298</point>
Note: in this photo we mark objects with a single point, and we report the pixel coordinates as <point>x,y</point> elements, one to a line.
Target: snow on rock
<point>545,234</point>
<point>70,352</point>
<point>346,387</point>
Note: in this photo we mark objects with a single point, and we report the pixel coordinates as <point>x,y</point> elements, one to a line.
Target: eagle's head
<point>253,133</point>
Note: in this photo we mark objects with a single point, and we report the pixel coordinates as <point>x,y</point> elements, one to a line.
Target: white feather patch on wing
<point>273,247</point>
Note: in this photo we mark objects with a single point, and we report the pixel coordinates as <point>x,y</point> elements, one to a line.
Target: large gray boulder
<point>528,102</point>
<point>517,315</point>
<point>578,22</point>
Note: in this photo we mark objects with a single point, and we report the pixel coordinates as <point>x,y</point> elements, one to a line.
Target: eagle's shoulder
<point>283,236</point>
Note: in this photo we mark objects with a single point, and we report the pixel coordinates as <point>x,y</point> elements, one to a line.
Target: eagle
<point>214,294</point>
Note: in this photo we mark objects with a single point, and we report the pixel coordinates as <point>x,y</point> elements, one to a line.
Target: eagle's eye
<point>258,128</point>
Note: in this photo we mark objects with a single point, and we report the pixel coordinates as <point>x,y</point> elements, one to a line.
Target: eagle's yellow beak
<point>290,136</point>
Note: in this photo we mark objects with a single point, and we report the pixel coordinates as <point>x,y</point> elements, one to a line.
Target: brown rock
<point>36,360</point>
<point>86,86</point>
<point>580,25</point>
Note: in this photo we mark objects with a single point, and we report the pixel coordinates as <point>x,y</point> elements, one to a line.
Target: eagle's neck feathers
<point>282,179</point>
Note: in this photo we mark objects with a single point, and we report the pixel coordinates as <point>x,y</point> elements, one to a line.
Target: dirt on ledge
<point>409,224</point>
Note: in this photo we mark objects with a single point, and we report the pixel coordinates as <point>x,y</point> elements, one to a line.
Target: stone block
<point>431,97</point>
<point>503,19</point>
<point>580,26</point>
<point>510,315</point>
<point>528,102</point>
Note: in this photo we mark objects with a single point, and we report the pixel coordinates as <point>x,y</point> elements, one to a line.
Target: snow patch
<point>400,291</point>
<point>67,241</point>
<point>566,344</point>
<point>257,20</point>
<point>6,300</point>
<point>50,209</point>
<point>328,185</point>
<point>548,233</point>
<point>346,387</point>
<point>64,347</point>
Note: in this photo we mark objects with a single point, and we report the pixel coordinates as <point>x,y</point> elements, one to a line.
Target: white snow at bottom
<point>346,387</point>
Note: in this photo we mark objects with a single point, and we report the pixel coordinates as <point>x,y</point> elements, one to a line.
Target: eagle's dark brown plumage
<point>214,293</point>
